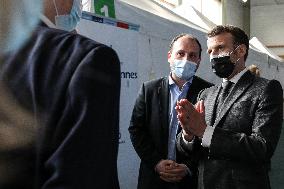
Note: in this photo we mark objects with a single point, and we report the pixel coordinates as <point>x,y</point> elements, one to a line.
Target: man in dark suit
<point>153,125</point>
<point>71,86</point>
<point>234,128</point>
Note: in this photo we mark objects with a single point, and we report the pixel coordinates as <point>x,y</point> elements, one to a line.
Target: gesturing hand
<point>191,118</point>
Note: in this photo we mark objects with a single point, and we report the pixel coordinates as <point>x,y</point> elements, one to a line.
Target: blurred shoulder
<point>156,82</point>
<point>64,38</point>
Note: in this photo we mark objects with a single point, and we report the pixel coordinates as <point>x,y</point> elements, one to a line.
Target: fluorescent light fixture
<point>244,1</point>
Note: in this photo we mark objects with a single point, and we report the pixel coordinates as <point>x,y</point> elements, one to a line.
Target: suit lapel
<point>163,97</point>
<point>193,91</point>
<point>210,104</point>
<point>237,91</point>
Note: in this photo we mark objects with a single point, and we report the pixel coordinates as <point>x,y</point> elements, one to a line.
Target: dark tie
<point>226,86</point>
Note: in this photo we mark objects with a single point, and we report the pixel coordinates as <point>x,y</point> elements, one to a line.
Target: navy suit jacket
<point>71,86</point>
<point>149,130</point>
<point>247,130</point>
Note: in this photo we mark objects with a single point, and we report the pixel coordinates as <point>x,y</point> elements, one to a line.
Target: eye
<point>180,54</point>
<point>220,48</point>
<point>217,49</point>
<point>193,56</point>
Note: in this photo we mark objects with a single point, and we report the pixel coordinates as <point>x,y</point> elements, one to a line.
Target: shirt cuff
<point>207,136</point>
<point>188,143</point>
<point>188,171</point>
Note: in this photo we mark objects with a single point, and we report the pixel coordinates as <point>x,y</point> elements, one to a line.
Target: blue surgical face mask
<point>17,21</point>
<point>183,69</point>
<point>69,22</point>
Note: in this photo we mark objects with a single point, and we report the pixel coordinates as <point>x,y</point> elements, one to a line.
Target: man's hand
<point>174,173</point>
<point>191,118</point>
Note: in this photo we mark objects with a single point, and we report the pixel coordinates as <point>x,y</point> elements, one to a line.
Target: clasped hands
<point>170,171</point>
<point>191,118</point>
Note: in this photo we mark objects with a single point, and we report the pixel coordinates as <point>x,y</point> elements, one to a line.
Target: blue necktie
<point>174,125</point>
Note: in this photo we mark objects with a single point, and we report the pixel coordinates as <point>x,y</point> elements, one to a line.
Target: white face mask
<point>183,69</point>
<point>17,21</point>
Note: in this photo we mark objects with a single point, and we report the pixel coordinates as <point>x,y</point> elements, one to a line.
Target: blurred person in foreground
<point>234,128</point>
<point>17,126</point>
<point>70,85</point>
<point>153,126</point>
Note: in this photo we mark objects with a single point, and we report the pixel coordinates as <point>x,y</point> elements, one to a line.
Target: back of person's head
<point>185,35</point>
<point>239,36</point>
<point>17,21</point>
<point>63,14</point>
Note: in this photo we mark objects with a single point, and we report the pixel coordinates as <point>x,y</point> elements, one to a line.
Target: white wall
<point>267,24</point>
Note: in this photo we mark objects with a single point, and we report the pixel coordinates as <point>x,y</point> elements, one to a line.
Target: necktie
<point>174,126</point>
<point>226,86</point>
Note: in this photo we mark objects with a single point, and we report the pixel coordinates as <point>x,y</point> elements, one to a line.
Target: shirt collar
<point>236,78</point>
<point>45,20</point>
<point>172,82</point>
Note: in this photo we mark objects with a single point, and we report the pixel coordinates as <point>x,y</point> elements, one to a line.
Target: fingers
<point>200,106</point>
<point>184,105</point>
<point>184,109</point>
<point>170,178</point>
<point>163,164</point>
<point>175,174</point>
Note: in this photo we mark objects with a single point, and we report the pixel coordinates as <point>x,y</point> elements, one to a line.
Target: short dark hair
<point>239,36</point>
<point>189,36</point>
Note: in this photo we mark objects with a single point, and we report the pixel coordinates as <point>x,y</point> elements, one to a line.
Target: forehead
<point>185,43</point>
<point>224,39</point>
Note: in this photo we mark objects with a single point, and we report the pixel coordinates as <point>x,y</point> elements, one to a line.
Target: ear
<point>242,50</point>
<point>169,56</point>
<point>197,63</point>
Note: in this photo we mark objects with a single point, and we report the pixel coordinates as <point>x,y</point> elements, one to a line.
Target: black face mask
<point>222,66</point>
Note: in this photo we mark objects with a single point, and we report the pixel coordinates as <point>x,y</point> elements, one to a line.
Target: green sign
<point>105,8</point>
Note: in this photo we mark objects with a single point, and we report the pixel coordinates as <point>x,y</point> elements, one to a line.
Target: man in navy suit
<point>154,125</point>
<point>70,85</point>
<point>233,130</point>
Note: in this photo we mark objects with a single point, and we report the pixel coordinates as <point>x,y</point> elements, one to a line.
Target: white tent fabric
<point>191,18</point>
<point>257,45</point>
<point>190,13</point>
<point>161,11</point>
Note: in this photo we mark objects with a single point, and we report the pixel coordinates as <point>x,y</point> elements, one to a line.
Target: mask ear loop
<point>81,4</point>
<point>55,7</point>
<point>78,7</point>
<point>233,51</point>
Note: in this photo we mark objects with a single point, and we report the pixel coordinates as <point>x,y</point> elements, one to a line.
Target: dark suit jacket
<point>247,130</point>
<point>71,86</point>
<point>149,128</point>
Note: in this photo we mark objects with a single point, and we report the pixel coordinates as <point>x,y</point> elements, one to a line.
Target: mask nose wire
<point>55,7</point>
<point>214,56</point>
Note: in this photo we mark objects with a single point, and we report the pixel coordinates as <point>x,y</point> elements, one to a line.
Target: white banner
<point>124,42</point>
